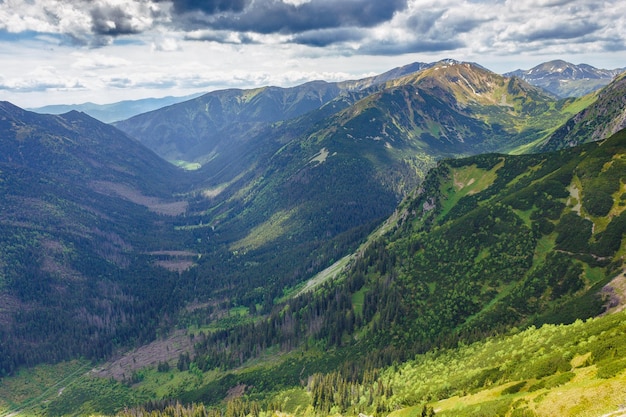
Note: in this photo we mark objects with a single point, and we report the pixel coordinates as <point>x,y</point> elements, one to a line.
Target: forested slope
<point>81,205</point>
<point>486,246</point>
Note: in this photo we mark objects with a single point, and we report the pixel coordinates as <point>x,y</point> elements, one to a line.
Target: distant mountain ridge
<point>565,79</point>
<point>113,112</point>
<point>195,130</point>
<point>558,77</point>
<point>203,128</point>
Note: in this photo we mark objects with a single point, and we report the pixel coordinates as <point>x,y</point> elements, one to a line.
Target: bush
<point>597,202</point>
<point>610,369</point>
<point>549,366</point>
<point>573,233</point>
<point>513,389</point>
<point>523,412</point>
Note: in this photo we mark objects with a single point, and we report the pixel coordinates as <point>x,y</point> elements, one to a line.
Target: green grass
<point>358,300</point>
<point>594,275</point>
<point>331,272</point>
<point>467,181</point>
<point>295,401</point>
<point>448,376</point>
<point>544,246</point>
<point>32,387</point>
<point>187,166</point>
<point>525,215</point>
<point>273,228</point>
<point>580,104</point>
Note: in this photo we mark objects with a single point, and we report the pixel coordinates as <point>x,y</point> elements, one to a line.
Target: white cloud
<point>94,60</point>
<point>165,44</point>
<point>41,79</point>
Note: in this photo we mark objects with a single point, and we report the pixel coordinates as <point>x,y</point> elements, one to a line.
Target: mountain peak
<point>566,79</point>
<point>9,108</point>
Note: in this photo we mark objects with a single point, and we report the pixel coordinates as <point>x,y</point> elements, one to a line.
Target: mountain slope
<point>296,189</point>
<point>210,125</point>
<point>200,129</point>
<point>484,244</point>
<point>603,118</point>
<point>81,202</point>
<point>565,79</point>
<point>303,179</point>
<point>487,244</point>
<point>455,108</point>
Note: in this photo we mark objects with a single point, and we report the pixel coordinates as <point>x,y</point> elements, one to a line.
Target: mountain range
<point>558,77</point>
<point>113,112</point>
<point>565,79</point>
<point>331,230</point>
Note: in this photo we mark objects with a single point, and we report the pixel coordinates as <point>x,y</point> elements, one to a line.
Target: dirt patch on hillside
<point>8,305</point>
<point>320,158</point>
<point>459,185</point>
<point>165,350</point>
<point>174,260</point>
<point>175,265</point>
<point>235,392</point>
<point>157,205</point>
<point>615,294</point>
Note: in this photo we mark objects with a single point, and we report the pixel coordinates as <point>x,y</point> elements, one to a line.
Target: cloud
<point>276,16</point>
<point>223,37</point>
<point>209,6</point>
<point>40,80</point>
<point>112,21</point>
<point>348,26</point>
<point>165,44</point>
<point>84,22</point>
<point>415,46</point>
<point>326,37</point>
<point>95,61</point>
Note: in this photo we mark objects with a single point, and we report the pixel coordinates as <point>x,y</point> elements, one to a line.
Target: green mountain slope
<point>487,244</point>
<point>308,189</point>
<point>606,116</point>
<point>383,143</point>
<point>199,129</point>
<point>452,108</point>
<point>81,205</point>
<point>215,123</point>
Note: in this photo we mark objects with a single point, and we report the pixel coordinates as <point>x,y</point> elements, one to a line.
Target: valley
<point>435,240</point>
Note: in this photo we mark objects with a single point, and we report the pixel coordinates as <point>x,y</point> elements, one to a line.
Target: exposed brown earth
<point>163,350</point>
<point>615,293</point>
<point>152,203</point>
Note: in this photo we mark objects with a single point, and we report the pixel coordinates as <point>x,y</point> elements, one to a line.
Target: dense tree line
<point>427,282</point>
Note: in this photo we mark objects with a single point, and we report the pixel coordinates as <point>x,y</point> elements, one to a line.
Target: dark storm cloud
<point>221,37</point>
<point>424,21</point>
<point>275,16</point>
<point>112,21</point>
<point>209,6</point>
<point>326,37</point>
<point>570,30</point>
<point>399,48</point>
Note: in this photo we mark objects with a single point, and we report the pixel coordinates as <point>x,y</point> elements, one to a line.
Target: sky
<point>104,51</point>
